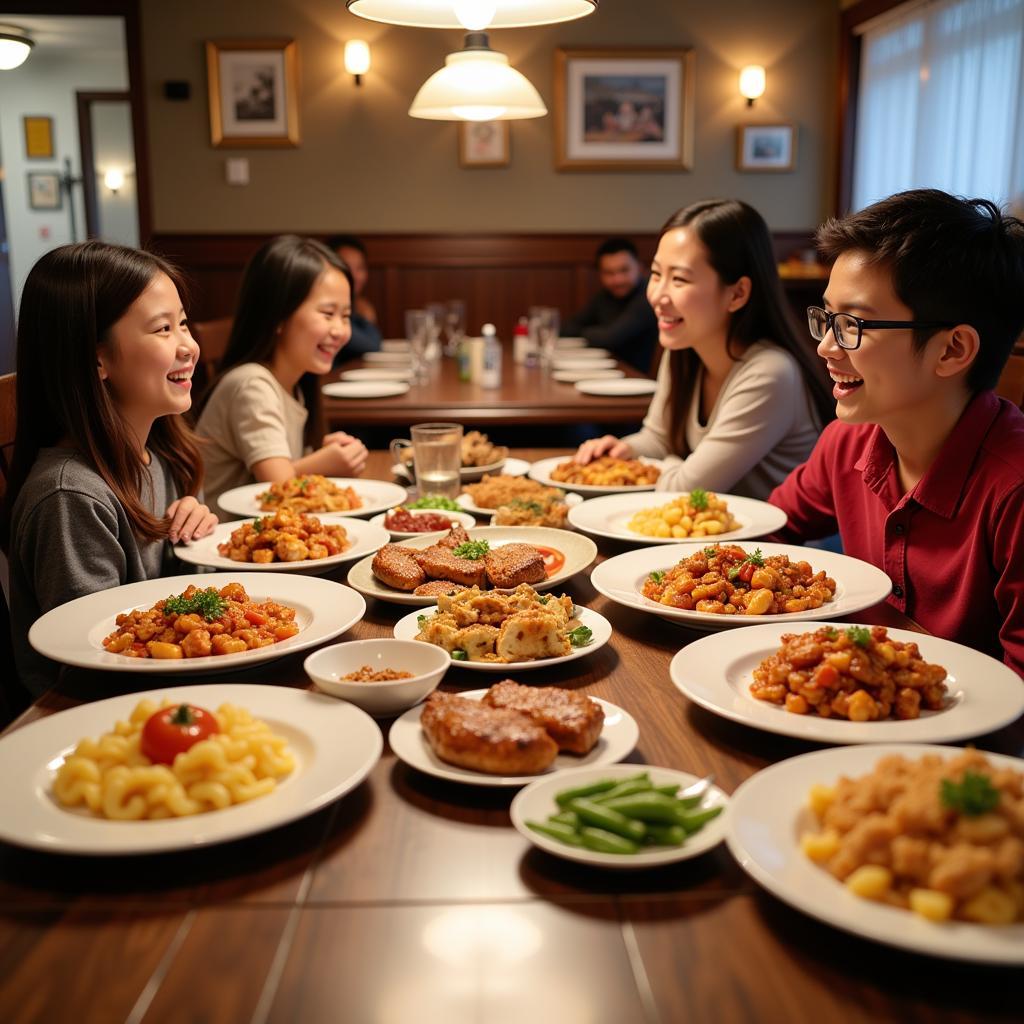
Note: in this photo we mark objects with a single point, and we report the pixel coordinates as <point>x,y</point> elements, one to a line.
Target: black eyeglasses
<point>848,328</point>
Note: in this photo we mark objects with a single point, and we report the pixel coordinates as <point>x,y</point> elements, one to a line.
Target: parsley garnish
<point>756,558</point>
<point>831,632</point>
<point>472,549</point>
<point>421,620</point>
<point>973,796</point>
<point>435,501</point>
<point>699,499</point>
<point>860,635</point>
<point>257,525</point>
<point>458,655</point>
<point>207,603</point>
<point>580,636</point>
<point>530,506</point>
<point>657,576</point>
<point>303,483</point>
<point>710,551</point>
<point>544,598</point>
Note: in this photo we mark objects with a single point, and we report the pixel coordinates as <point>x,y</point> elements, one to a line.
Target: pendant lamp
<point>473,15</point>
<point>15,46</point>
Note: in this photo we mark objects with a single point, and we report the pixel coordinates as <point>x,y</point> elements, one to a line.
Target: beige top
<point>248,418</point>
<point>762,426</point>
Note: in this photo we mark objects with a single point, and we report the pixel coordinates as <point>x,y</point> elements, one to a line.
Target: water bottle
<point>491,376</point>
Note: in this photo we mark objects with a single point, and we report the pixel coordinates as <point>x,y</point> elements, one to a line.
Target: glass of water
<point>417,332</point>
<point>454,325</point>
<point>548,329</point>
<point>437,456</point>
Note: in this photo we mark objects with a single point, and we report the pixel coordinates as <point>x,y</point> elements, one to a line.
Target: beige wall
<point>365,166</point>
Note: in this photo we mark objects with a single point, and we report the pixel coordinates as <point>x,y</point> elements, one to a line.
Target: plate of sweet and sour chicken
<point>422,569</point>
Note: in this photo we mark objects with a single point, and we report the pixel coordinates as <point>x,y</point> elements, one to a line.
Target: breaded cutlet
<point>438,588</point>
<point>440,564</point>
<point>513,564</point>
<point>396,566</point>
<point>454,537</point>
<point>571,718</point>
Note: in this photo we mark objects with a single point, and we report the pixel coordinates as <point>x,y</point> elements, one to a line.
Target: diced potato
<point>990,906</point>
<point>821,798</point>
<point>759,603</point>
<point>870,881</point>
<point>820,846</point>
<point>161,650</point>
<point>932,904</point>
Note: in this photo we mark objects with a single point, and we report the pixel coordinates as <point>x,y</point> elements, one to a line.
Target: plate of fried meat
<point>510,734</point>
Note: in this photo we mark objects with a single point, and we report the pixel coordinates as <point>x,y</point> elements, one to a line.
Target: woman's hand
<point>347,452</point>
<point>190,520</point>
<point>598,446</point>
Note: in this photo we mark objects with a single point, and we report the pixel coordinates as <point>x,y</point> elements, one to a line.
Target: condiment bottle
<point>521,340</point>
<point>491,375</point>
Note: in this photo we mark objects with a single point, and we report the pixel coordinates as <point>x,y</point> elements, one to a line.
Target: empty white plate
<point>626,386</point>
<point>583,364</point>
<point>587,353</point>
<point>571,376</point>
<point>395,345</point>
<point>388,358</point>
<point>571,343</point>
<point>372,373</point>
<point>364,389</point>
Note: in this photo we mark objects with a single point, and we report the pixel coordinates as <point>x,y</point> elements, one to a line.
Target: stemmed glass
<point>454,325</point>
<point>435,323</point>
<point>416,330</point>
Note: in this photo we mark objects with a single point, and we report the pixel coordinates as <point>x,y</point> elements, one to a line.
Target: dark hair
<point>739,244</point>
<point>72,298</point>
<point>275,283</point>
<point>610,246</point>
<point>951,260</point>
<point>336,242</point>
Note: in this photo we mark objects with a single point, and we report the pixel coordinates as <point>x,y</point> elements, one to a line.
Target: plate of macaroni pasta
<point>912,845</point>
<point>93,780</point>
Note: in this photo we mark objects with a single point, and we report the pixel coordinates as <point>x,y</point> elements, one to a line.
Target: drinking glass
<point>454,325</point>
<point>417,333</point>
<point>437,457</point>
<point>548,328</point>
<point>435,323</point>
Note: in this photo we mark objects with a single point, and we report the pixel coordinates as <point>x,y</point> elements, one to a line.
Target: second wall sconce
<point>114,179</point>
<point>357,58</point>
<point>752,79</point>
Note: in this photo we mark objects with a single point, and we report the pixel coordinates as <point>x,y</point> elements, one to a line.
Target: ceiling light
<point>468,13</point>
<point>15,46</point>
<point>477,84</point>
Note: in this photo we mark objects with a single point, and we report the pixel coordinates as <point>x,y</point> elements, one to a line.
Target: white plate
<point>469,505</point>
<point>364,389</point>
<point>369,373</point>
<point>387,358</point>
<point>464,518</point>
<point>541,472</point>
<point>859,585</point>
<point>571,343</point>
<point>571,376</point>
<point>579,553</point>
<point>576,363</point>
<point>335,746</point>
<point>585,353</point>
<point>768,814</point>
<point>365,537</point>
<point>623,388</point>
<point>409,744</point>
<point>73,633</point>
<point>468,474</point>
<point>537,802</point>
<point>376,496</point>
<point>609,517</point>
<point>716,672</point>
<point>395,345</point>
<point>407,627</point>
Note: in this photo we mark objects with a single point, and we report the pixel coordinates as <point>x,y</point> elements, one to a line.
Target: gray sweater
<point>69,537</point>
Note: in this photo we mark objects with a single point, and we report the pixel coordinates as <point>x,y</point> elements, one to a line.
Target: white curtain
<point>941,102</point>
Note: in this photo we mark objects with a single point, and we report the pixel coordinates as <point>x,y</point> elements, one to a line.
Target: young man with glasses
<point>922,472</point>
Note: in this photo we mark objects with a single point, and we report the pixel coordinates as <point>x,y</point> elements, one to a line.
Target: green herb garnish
<point>530,506</point>
<point>421,620</point>
<point>544,598</point>
<point>657,576</point>
<point>860,635</point>
<point>472,549</point>
<point>710,551</point>
<point>435,501</point>
<point>257,525</point>
<point>754,558</point>
<point>831,632</point>
<point>580,636</point>
<point>459,655</point>
<point>208,603</point>
<point>973,796</point>
<point>182,715</point>
<point>303,483</point>
<point>699,499</point>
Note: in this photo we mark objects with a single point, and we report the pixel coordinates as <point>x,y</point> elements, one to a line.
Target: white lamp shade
<point>477,85</point>
<point>114,179</point>
<point>752,80</point>
<point>14,50</point>
<point>442,13</point>
<point>357,57</point>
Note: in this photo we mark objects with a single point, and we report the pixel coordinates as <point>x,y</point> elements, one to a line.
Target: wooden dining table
<point>529,395</point>
<point>412,899</point>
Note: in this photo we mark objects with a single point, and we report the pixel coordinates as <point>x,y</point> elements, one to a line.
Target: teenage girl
<point>740,398</point>
<point>104,471</point>
<point>294,314</point>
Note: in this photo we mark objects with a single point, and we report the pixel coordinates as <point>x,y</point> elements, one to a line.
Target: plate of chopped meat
<point>509,734</point>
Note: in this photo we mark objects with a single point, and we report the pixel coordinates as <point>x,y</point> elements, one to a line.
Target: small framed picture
<point>254,92</point>
<point>38,137</point>
<point>766,147</point>
<point>484,144</point>
<point>44,191</point>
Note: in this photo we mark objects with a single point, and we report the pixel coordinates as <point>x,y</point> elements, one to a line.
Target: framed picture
<point>44,191</point>
<point>624,110</point>
<point>484,144</point>
<point>766,147</point>
<point>254,98</point>
<point>38,137</point>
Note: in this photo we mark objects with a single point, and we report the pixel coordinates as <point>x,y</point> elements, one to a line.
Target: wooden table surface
<point>528,395</point>
<point>413,899</point>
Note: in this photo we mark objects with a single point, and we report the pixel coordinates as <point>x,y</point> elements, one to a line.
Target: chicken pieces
<point>570,718</point>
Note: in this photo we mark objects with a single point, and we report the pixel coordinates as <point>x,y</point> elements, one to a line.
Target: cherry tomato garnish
<point>171,731</point>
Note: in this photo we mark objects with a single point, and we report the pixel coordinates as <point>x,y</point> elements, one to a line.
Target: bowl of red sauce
<point>404,523</point>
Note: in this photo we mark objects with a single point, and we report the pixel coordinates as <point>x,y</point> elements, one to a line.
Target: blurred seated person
<point>365,332</point>
<point>619,318</point>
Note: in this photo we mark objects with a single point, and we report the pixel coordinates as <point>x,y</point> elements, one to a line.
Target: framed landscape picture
<point>484,144</point>
<point>253,87</point>
<point>44,191</point>
<point>766,147</point>
<point>624,110</point>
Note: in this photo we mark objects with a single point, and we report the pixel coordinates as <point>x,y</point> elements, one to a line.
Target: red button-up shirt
<point>953,546</point>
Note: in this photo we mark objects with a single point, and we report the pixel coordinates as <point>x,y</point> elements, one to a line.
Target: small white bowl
<point>460,518</point>
<point>426,663</point>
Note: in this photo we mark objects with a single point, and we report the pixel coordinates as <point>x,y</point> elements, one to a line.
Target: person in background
<point>618,317</point>
<point>258,414</point>
<point>365,332</point>
<point>105,471</point>
<point>922,472</point>
<point>740,398</point>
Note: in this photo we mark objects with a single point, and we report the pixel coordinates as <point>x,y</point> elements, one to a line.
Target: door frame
<point>85,101</point>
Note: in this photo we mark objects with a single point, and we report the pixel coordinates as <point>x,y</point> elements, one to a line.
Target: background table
<point>414,900</point>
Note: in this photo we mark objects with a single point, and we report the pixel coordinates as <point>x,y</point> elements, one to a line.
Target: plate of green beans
<point>625,816</point>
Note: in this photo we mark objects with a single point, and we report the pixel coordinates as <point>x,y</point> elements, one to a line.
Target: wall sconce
<point>357,58</point>
<point>114,179</point>
<point>15,46</point>
<point>752,80</point>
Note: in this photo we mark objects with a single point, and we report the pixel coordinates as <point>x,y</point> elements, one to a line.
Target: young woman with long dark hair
<point>740,398</point>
